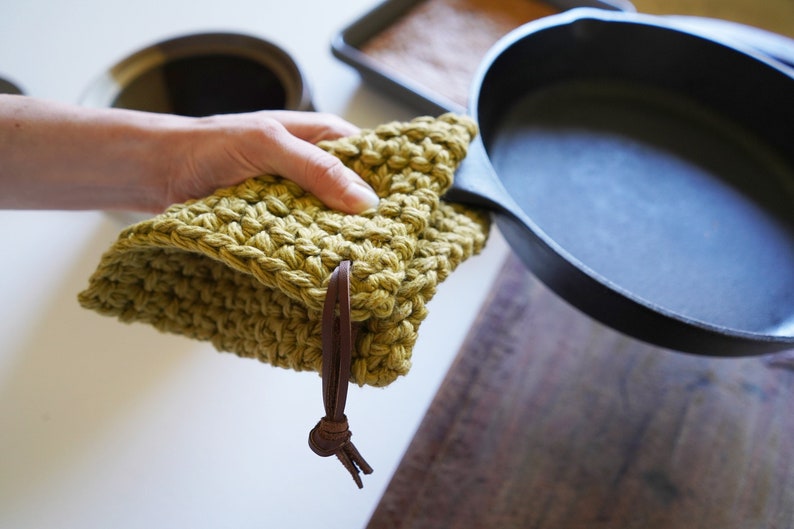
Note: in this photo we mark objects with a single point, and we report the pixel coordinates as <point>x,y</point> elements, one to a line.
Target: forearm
<point>57,156</point>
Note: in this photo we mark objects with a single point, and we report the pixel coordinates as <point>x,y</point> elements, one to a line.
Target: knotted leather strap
<point>331,436</point>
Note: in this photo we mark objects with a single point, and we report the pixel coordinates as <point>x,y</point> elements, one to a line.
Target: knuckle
<point>270,129</point>
<point>325,171</point>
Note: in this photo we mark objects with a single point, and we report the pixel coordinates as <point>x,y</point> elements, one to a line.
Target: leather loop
<point>331,436</point>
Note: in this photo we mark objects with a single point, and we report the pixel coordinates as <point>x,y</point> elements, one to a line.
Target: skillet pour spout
<point>644,171</point>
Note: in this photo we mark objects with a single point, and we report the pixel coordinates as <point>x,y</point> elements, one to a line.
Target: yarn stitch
<point>247,268</point>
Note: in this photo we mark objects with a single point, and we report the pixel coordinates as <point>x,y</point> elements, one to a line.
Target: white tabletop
<point>110,425</point>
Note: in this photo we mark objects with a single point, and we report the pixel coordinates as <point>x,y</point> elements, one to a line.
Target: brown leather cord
<point>332,436</point>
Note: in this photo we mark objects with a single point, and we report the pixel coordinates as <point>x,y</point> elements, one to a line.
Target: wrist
<point>144,153</point>
<point>60,156</point>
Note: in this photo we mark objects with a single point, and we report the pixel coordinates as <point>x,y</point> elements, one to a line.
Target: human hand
<point>226,149</point>
<point>59,156</point>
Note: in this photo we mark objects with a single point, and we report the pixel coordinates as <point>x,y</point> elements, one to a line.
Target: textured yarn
<point>247,268</point>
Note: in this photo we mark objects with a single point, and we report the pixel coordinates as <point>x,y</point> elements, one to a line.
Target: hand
<point>226,149</point>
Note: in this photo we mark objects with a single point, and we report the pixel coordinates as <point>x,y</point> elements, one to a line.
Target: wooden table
<point>548,419</point>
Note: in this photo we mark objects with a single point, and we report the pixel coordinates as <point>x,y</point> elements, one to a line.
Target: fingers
<point>323,175</point>
<point>314,126</point>
<point>282,143</point>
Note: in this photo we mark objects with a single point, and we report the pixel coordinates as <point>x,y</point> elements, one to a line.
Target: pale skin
<point>60,156</point>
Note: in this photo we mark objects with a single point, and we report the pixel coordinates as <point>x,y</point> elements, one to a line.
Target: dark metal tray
<point>350,43</point>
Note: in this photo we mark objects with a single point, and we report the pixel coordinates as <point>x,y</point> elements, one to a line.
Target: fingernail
<point>360,197</point>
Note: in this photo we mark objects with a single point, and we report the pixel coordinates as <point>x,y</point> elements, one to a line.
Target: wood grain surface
<point>772,15</point>
<point>548,419</point>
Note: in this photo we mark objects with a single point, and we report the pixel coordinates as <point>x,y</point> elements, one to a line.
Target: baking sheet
<point>427,52</point>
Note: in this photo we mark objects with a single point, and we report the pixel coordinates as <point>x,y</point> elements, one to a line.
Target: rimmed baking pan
<point>645,173</point>
<point>425,52</point>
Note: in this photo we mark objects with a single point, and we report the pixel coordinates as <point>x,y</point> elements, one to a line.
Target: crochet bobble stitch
<point>248,267</point>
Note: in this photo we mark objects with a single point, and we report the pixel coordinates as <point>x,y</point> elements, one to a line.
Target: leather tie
<point>332,436</point>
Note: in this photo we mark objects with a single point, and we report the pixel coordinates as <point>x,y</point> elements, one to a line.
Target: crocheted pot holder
<point>247,268</point>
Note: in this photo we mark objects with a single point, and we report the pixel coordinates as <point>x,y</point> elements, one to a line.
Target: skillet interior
<point>656,161</point>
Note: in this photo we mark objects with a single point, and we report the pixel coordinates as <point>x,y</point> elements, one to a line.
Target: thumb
<point>326,177</point>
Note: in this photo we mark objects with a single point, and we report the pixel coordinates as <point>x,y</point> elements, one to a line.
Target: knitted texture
<point>247,268</point>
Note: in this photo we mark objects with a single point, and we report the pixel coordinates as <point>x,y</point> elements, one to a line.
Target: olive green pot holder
<point>248,268</point>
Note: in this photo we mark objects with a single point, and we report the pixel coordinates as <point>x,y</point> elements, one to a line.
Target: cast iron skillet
<point>645,174</point>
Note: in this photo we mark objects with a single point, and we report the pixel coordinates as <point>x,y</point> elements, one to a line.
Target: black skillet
<point>645,173</point>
